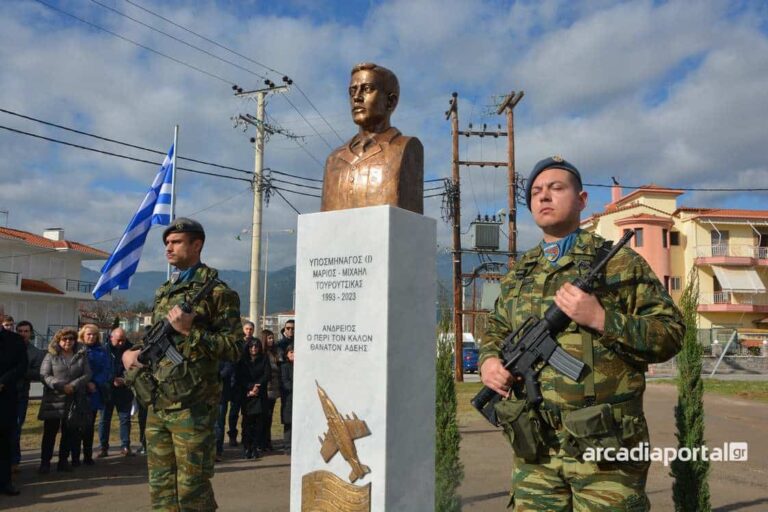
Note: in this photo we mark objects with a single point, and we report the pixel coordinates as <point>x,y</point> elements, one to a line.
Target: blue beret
<point>184,225</point>
<point>554,162</point>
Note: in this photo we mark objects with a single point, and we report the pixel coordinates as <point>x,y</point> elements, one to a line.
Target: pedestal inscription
<point>365,346</point>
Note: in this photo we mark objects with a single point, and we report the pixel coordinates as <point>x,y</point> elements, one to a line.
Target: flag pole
<point>173,184</point>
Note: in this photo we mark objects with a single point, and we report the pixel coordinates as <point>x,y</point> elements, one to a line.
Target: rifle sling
<point>587,346</point>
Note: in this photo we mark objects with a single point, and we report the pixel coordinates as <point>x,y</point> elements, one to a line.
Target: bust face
<point>371,104</point>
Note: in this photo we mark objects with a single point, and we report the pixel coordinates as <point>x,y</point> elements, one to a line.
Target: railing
<point>73,285</point>
<point>725,297</point>
<point>732,250</point>
<point>9,278</point>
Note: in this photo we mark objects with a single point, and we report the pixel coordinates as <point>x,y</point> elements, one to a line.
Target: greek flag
<point>154,209</point>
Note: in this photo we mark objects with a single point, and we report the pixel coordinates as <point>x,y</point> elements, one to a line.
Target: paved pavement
<point>118,484</point>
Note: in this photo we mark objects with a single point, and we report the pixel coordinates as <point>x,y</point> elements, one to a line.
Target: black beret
<point>184,225</point>
<point>553,162</point>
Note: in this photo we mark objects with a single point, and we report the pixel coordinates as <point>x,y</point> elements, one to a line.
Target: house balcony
<point>731,254</point>
<point>10,281</point>
<point>75,289</point>
<point>730,302</point>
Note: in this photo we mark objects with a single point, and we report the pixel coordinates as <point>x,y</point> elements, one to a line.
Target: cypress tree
<point>690,489</point>
<point>449,470</point>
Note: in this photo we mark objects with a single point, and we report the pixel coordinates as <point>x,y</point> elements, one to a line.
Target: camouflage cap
<point>184,225</point>
<point>553,162</point>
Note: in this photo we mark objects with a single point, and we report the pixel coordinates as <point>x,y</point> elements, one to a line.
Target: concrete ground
<point>118,484</point>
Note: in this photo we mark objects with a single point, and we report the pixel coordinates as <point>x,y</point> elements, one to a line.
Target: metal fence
<point>746,343</point>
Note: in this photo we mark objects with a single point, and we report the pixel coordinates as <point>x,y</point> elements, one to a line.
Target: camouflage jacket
<point>642,323</point>
<point>216,329</point>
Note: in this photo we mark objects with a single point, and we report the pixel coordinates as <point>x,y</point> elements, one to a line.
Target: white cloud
<point>587,69</point>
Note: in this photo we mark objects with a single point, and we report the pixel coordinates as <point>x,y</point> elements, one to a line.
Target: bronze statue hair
<point>389,79</point>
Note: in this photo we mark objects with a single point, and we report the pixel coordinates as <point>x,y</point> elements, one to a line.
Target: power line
<point>277,191</point>
<point>115,141</point>
<point>190,45</point>
<point>319,113</point>
<point>99,242</point>
<point>313,157</point>
<point>291,175</point>
<point>307,121</point>
<point>149,11</point>
<point>229,62</point>
<point>117,155</point>
<point>295,184</point>
<point>294,192</point>
<point>686,189</point>
<point>115,34</point>
<point>234,52</point>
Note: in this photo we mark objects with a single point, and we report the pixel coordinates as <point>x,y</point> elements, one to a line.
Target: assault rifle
<point>158,342</point>
<point>533,345</point>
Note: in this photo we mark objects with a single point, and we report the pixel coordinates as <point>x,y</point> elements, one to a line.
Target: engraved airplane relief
<point>341,435</point>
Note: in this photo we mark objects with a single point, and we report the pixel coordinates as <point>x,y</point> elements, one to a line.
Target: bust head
<point>373,95</point>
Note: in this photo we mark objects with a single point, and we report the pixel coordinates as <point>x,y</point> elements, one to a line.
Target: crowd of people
<point>251,389</point>
<point>84,378</point>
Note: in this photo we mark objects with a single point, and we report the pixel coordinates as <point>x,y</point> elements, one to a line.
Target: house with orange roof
<point>40,278</point>
<point>727,248</point>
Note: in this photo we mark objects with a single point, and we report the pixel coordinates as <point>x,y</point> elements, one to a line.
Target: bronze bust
<point>379,165</point>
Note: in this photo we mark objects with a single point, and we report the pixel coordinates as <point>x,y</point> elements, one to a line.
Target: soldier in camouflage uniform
<point>628,322</point>
<point>183,410</point>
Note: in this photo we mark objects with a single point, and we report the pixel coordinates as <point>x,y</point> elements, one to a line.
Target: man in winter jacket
<point>121,399</point>
<point>34,360</point>
<point>13,363</point>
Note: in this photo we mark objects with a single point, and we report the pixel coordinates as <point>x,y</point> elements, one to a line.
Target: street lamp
<point>266,274</point>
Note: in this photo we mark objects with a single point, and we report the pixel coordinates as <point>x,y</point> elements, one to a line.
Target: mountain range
<point>280,284</point>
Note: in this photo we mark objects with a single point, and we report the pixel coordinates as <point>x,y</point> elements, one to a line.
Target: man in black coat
<point>287,333</point>
<point>13,365</point>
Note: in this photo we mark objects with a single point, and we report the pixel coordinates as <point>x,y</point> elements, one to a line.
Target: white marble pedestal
<point>365,334</point>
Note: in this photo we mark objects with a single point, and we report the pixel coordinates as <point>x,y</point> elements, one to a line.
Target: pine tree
<point>449,470</point>
<point>690,489</point>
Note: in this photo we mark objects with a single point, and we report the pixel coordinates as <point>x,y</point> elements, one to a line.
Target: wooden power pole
<point>508,104</point>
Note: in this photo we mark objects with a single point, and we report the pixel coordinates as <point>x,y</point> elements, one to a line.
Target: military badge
<point>552,252</point>
<point>559,159</point>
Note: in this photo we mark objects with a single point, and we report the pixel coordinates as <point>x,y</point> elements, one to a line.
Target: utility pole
<point>455,207</point>
<point>258,166</point>
<point>508,103</point>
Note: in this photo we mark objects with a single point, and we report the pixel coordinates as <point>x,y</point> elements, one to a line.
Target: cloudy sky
<point>672,93</point>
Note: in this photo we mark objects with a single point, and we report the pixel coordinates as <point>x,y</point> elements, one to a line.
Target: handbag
<point>78,411</point>
<point>253,406</point>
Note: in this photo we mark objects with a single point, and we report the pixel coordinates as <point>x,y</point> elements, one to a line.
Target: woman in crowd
<point>99,384</point>
<point>273,388</point>
<point>286,399</point>
<point>64,372</point>
<point>252,377</point>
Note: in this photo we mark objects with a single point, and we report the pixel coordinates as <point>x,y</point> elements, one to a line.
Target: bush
<point>448,468</point>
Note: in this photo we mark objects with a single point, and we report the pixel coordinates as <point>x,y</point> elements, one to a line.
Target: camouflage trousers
<point>180,457</point>
<point>562,483</point>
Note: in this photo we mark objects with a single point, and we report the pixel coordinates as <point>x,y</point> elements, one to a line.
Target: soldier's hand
<point>582,307</point>
<point>130,360</point>
<point>180,320</point>
<point>495,376</point>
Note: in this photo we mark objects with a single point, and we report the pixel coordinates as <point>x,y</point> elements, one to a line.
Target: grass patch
<point>32,432</point>
<point>465,391</point>
<point>746,389</point>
